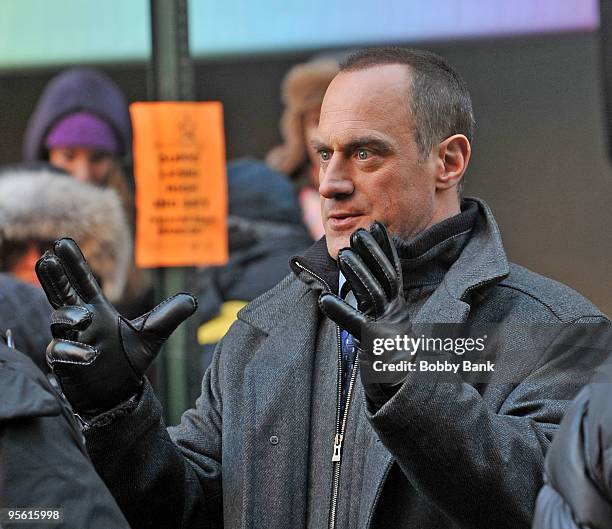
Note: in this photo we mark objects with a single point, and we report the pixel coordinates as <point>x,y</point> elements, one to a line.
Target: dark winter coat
<point>24,310</point>
<point>440,455</point>
<point>578,490</point>
<point>43,462</point>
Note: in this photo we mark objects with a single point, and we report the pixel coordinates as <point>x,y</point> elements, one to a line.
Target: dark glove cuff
<point>377,395</point>
<point>121,410</point>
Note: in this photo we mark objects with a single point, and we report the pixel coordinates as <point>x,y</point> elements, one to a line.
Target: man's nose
<point>335,180</point>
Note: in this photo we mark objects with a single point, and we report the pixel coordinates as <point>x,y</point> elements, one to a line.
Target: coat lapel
<point>278,383</point>
<point>483,262</point>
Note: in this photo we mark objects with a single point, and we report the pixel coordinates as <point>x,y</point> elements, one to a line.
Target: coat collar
<point>317,260</point>
<point>482,262</point>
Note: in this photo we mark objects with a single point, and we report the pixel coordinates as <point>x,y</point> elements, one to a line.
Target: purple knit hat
<point>82,129</point>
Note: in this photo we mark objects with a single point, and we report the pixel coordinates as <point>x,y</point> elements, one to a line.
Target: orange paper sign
<point>181,185</point>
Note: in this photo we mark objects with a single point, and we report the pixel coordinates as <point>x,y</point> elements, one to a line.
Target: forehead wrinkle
<point>348,109</point>
<point>384,117</point>
<point>345,123</point>
<point>334,112</point>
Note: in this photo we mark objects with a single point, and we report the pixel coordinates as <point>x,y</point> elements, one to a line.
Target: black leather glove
<point>99,356</point>
<point>372,268</point>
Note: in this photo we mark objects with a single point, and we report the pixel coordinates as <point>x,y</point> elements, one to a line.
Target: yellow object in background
<point>213,330</point>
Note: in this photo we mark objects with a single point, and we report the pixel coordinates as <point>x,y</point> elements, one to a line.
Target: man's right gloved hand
<point>373,270</point>
<point>99,356</point>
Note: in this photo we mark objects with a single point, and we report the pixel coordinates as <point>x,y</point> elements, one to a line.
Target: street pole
<point>171,79</point>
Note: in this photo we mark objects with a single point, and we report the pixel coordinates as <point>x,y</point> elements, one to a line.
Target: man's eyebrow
<point>318,145</point>
<point>380,146</point>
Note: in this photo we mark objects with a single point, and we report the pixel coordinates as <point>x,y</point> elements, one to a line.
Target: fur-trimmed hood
<point>42,205</point>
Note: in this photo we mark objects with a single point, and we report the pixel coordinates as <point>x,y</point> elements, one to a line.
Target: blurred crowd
<point>76,181</point>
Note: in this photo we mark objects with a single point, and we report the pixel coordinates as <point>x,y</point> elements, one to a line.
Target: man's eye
<point>363,154</point>
<point>325,156</point>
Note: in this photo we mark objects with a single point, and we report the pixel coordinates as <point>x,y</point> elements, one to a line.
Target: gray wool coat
<point>451,454</point>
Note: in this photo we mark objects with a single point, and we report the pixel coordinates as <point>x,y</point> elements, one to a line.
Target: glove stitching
<point>79,308</point>
<point>61,320</point>
<point>384,271</point>
<point>49,281</point>
<point>66,320</point>
<point>157,307</point>
<point>145,319</point>
<point>82,345</point>
<point>168,300</point>
<point>363,283</point>
<point>57,361</point>
<point>73,283</point>
<point>395,258</point>
<point>146,316</point>
<point>125,354</point>
<point>390,279</point>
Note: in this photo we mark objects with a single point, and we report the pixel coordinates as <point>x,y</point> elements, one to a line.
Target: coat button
<point>274,440</point>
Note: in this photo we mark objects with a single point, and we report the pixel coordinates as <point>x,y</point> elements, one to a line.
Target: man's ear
<point>453,158</point>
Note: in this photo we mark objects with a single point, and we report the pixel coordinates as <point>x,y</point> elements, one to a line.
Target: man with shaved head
<point>291,428</point>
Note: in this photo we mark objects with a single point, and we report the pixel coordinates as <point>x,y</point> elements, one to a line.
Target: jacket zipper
<point>341,418</point>
<point>339,438</point>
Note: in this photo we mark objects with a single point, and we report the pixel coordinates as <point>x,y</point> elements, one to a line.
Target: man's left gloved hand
<point>372,268</point>
<point>99,356</point>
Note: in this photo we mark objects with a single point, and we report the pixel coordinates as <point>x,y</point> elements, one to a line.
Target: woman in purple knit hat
<point>81,124</point>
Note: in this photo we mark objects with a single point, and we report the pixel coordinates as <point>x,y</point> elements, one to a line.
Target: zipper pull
<point>337,447</point>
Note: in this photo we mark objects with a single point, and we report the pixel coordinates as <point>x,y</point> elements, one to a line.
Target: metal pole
<point>172,80</point>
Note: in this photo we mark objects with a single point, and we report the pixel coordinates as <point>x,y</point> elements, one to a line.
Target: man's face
<point>370,167</point>
<point>83,163</point>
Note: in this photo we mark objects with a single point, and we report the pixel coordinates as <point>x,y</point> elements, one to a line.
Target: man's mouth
<point>342,221</point>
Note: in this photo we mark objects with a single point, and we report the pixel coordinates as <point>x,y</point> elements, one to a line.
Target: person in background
<point>303,90</point>
<point>265,231</point>
<point>38,205</point>
<point>81,124</point>
<point>578,468</point>
<point>43,461</point>
<point>24,310</point>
